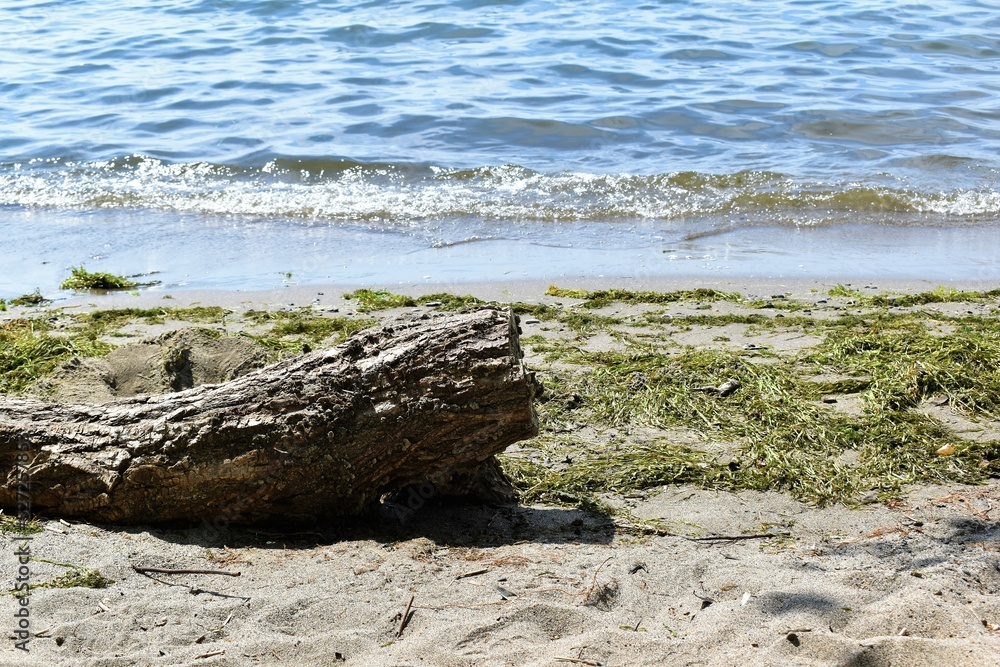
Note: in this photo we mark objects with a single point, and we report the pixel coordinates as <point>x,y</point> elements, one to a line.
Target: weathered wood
<point>425,402</point>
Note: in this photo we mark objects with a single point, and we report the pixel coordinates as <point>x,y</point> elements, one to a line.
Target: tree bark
<point>425,402</point>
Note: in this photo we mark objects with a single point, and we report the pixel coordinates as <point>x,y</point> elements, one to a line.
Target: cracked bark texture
<point>321,436</point>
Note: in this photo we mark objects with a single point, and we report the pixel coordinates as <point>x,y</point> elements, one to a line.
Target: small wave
<point>406,194</point>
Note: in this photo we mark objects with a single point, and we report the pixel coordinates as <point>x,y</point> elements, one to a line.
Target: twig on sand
<point>643,528</point>
<point>405,618</point>
<point>578,661</point>
<point>474,573</point>
<point>170,570</point>
<point>734,538</point>
<point>191,589</point>
<point>981,514</point>
<point>209,655</point>
<point>469,606</point>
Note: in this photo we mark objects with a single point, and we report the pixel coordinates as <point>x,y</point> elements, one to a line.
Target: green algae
<point>30,349</point>
<point>287,331</point>
<point>31,299</point>
<point>602,298</point>
<point>375,300</point>
<point>782,436</point>
<point>81,279</point>
<point>76,576</point>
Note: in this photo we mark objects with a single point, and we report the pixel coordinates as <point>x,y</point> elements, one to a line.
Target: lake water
<point>227,143</point>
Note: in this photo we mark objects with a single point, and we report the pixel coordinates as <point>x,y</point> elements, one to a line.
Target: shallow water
<point>580,135</point>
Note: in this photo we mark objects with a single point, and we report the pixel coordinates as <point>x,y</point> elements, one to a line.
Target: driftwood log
<point>427,402</point>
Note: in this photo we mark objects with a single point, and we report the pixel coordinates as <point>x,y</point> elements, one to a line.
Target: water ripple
<point>898,99</point>
<point>402,196</point>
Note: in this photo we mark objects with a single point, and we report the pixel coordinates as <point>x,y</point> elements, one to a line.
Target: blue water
<point>608,136</point>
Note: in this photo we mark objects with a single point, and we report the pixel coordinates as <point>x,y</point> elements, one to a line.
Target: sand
<point>744,578</point>
<point>912,585</point>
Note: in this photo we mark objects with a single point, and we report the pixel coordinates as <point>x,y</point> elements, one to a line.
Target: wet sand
<point>190,252</point>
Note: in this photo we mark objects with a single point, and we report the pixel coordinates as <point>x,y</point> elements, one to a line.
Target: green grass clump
<point>846,292</point>
<point>372,300</point>
<point>30,348</point>
<point>782,437</point>
<point>581,322</point>
<point>102,321</point>
<point>76,576</point>
<point>11,524</point>
<point>939,295</point>
<point>81,279</point>
<point>601,298</point>
<point>290,329</point>
<point>721,320</point>
<point>614,469</point>
<point>909,364</point>
<point>29,351</point>
<point>32,299</point>
<point>450,301</point>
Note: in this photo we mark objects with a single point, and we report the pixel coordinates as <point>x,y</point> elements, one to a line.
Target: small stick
<point>726,538</point>
<point>474,573</point>
<point>578,661</point>
<point>195,591</point>
<point>209,655</point>
<point>978,513</point>
<point>170,570</point>
<point>406,614</point>
<point>465,606</point>
<point>643,528</point>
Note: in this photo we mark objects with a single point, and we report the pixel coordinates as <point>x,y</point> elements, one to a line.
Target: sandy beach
<point>685,573</point>
<point>738,263</point>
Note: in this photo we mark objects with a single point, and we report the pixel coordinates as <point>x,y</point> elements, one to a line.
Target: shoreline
<point>193,253</point>
<point>329,294</point>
